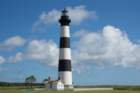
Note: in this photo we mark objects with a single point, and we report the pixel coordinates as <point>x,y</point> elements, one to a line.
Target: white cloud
<point>110,46</point>
<point>77,14</point>
<point>18,57</point>
<point>15,41</point>
<point>43,51</point>
<point>40,51</point>
<point>12,42</point>
<point>2,59</point>
<point>50,17</point>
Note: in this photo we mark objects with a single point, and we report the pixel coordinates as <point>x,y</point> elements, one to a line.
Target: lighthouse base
<point>68,87</point>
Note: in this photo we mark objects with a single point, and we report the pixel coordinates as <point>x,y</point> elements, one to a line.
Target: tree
<point>30,80</point>
<point>45,80</point>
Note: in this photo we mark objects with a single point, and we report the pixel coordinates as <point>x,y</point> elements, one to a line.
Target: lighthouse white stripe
<point>66,77</point>
<point>65,31</point>
<point>65,53</point>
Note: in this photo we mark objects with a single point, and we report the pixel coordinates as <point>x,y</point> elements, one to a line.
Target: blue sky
<point>105,40</point>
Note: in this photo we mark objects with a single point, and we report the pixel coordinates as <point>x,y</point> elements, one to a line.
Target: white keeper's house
<point>54,85</point>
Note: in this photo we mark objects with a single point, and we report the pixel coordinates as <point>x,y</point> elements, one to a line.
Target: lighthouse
<point>64,67</point>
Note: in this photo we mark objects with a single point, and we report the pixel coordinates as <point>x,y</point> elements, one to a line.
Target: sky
<point>105,40</point>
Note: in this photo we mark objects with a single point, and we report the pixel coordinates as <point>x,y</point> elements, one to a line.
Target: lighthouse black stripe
<point>64,20</point>
<point>64,65</point>
<point>64,42</point>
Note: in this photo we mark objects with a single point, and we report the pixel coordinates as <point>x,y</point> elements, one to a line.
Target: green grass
<point>37,91</point>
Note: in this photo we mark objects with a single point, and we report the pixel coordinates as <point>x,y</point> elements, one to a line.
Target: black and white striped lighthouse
<point>64,68</point>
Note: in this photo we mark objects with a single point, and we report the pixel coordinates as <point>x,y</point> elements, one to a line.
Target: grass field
<point>37,91</point>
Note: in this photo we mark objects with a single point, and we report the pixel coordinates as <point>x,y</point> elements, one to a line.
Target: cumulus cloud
<point>18,57</point>
<point>2,59</point>
<point>39,51</point>
<point>109,47</point>
<point>43,51</point>
<point>50,17</point>
<point>77,14</point>
<point>12,42</point>
<point>15,41</point>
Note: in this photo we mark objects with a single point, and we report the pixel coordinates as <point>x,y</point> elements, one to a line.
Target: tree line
<point>30,82</point>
